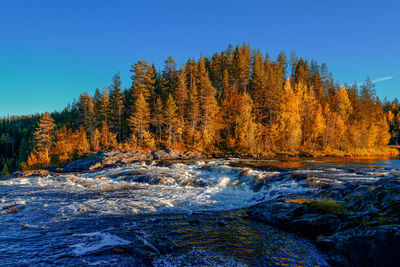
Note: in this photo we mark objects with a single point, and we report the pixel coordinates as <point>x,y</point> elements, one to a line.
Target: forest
<point>238,101</point>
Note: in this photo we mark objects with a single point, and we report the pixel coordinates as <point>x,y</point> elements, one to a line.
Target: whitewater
<point>162,214</point>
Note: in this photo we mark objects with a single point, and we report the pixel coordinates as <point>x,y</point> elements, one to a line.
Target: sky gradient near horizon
<point>53,51</point>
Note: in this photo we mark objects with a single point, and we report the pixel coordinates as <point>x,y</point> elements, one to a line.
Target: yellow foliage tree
<point>289,120</point>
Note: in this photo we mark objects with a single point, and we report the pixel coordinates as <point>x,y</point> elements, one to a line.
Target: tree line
<point>235,101</point>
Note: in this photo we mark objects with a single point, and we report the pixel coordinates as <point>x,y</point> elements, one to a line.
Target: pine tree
<point>102,107</point>
<point>170,74</point>
<point>139,121</point>
<point>181,95</point>
<point>80,143</point>
<point>95,141</point>
<point>289,120</point>
<point>170,118</point>
<point>62,148</point>
<point>208,105</point>
<point>282,61</point>
<point>241,67</point>
<point>86,113</point>
<point>43,135</point>
<point>107,139</point>
<point>142,80</point>
<point>158,117</point>
<point>5,172</point>
<point>193,115</point>
<point>116,106</point>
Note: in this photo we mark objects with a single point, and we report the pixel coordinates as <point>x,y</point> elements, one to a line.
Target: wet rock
<point>12,209</point>
<point>171,154</point>
<point>110,159</point>
<point>191,155</point>
<point>357,225</point>
<point>166,154</point>
<point>377,246</point>
<point>107,159</point>
<point>296,218</point>
<point>36,173</point>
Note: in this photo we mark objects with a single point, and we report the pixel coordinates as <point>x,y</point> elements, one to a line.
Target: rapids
<point>167,213</point>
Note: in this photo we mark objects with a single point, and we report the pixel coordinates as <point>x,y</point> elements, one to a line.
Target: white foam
<point>212,185</point>
<point>97,241</point>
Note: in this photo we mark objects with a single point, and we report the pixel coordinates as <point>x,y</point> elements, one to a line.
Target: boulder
<point>171,154</point>
<point>376,246</point>
<point>166,154</point>
<point>296,218</point>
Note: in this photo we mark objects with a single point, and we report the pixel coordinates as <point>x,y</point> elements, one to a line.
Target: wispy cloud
<point>382,79</point>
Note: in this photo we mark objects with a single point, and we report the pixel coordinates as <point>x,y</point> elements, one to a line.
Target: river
<point>177,213</point>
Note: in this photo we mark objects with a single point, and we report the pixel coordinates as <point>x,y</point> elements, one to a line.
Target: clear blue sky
<point>52,51</point>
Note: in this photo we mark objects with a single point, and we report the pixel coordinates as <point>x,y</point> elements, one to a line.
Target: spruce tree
<point>116,106</point>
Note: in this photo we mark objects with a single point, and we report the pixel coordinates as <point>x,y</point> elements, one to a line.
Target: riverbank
<point>113,158</point>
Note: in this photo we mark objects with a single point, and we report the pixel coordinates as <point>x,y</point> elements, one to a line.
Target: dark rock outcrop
<point>375,246</point>
<point>296,218</point>
<point>360,228</point>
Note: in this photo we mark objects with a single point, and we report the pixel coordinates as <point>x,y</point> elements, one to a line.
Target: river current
<point>179,213</point>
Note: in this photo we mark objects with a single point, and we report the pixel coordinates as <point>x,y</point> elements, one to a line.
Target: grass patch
<point>328,206</point>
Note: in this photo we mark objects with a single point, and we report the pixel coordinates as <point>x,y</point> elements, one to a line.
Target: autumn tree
<point>193,116</point>
<point>289,120</point>
<point>170,118</point>
<point>139,121</point>
<point>102,106</point>
<point>208,106</point>
<point>43,137</point>
<point>142,80</point>
<point>158,117</point>
<point>107,139</point>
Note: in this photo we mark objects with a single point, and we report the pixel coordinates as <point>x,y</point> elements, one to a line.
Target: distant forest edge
<point>237,101</point>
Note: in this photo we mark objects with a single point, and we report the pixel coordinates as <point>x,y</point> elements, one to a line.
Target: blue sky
<point>52,51</point>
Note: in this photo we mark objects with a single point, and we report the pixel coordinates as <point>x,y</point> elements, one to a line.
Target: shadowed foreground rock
<point>375,246</point>
<point>360,228</point>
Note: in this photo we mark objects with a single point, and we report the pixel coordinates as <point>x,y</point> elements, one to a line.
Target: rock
<point>296,218</point>
<point>166,154</point>
<point>11,209</point>
<point>191,155</point>
<point>36,173</point>
<point>107,159</point>
<point>377,246</point>
<point>360,228</point>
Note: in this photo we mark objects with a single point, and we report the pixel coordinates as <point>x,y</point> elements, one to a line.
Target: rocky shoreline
<point>354,224</point>
<point>110,159</point>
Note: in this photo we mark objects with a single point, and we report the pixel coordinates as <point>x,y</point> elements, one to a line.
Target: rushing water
<point>175,214</point>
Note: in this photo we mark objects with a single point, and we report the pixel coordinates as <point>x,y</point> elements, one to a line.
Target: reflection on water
<point>303,162</point>
<point>245,241</point>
